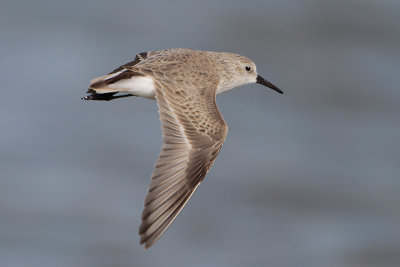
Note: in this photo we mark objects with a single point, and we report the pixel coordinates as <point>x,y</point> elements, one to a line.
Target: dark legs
<point>104,97</point>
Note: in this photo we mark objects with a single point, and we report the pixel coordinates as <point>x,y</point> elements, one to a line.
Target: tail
<point>119,80</point>
<point>110,83</point>
<point>105,87</point>
<point>102,88</point>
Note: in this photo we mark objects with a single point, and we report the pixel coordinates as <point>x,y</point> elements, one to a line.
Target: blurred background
<point>308,178</point>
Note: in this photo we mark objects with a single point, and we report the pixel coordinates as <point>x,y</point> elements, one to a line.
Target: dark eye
<point>247,68</point>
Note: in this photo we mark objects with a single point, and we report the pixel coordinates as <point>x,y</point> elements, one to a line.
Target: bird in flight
<point>185,83</point>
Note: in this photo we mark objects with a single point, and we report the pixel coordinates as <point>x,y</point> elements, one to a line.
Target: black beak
<point>262,81</point>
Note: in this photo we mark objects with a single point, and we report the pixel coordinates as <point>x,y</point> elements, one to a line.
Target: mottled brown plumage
<point>185,83</point>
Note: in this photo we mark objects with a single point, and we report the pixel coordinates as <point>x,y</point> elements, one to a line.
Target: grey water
<point>308,178</point>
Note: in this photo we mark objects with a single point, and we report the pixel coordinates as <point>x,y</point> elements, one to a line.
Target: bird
<point>184,82</point>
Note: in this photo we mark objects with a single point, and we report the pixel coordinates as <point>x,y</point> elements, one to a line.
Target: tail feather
<point>105,84</point>
<point>119,80</point>
<point>102,83</point>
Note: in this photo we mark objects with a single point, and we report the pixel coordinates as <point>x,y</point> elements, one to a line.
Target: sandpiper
<point>184,82</point>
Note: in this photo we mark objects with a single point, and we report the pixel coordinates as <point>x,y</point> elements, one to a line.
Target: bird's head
<point>239,70</point>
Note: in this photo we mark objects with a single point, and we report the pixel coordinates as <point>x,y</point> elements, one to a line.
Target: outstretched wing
<point>193,134</point>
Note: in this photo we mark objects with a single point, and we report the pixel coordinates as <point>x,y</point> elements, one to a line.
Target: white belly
<point>137,85</point>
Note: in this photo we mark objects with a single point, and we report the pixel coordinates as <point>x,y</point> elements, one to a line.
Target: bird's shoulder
<point>174,61</point>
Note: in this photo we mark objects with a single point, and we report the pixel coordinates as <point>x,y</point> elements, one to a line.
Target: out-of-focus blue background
<point>308,178</point>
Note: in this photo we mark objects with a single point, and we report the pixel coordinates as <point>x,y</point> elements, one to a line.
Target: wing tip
<point>149,239</point>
